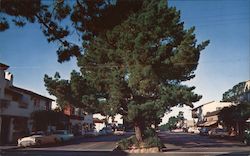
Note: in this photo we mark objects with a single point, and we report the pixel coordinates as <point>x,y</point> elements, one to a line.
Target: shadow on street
<point>184,140</point>
<point>82,139</point>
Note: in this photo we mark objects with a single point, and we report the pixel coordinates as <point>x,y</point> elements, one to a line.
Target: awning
<point>209,123</point>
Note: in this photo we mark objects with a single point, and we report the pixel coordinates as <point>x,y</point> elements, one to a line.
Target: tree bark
<point>138,133</point>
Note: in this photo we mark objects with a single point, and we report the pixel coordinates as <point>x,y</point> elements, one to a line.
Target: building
<point>99,124</point>
<point>102,121</point>
<point>188,123</point>
<point>211,120</point>
<point>79,121</point>
<point>16,107</point>
<point>204,114</point>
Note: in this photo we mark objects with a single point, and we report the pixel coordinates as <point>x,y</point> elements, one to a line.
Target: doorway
<point>5,127</point>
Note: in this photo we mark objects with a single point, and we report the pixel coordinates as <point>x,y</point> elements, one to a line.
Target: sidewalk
<point>7,147</point>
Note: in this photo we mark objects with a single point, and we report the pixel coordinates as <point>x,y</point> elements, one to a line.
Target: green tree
<point>60,19</point>
<point>43,118</point>
<point>172,121</point>
<point>235,115</point>
<point>141,63</point>
<point>133,64</point>
<point>234,94</point>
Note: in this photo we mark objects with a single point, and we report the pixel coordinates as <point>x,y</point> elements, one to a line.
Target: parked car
<point>195,130</point>
<point>63,135</point>
<point>106,131</point>
<point>246,136</point>
<point>218,132</point>
<point>185,130</point>
<point>177,130</point>
<point>91,133</point>
<point>119,132</point>
<point>204,131</point>
<point>37,138</point>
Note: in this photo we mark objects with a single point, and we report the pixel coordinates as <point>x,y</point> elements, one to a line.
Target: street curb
<point>11,148</point>
<point>160,150</point>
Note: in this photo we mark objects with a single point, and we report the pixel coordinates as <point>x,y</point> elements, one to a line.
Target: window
<point>36,102</point>
<point>15,98</point>
<point>47,106</point>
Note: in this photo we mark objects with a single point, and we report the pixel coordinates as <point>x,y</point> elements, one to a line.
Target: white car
<point>37,138</point>
<point>178,130</point>
<point>63,135</point>
<point>195,130</point>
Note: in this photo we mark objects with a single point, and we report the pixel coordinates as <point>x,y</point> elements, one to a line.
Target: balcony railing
<point>4,104</point>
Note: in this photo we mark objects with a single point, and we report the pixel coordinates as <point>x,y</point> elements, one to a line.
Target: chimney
<point>9,76</point>
<point>3,67</point>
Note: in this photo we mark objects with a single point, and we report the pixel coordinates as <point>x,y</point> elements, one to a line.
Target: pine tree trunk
<point>138,133</point>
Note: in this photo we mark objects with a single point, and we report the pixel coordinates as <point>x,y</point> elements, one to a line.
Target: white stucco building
<point>16,106</point>
<point>80,122</point>
<point>202,112</point>
<point>100,123</point>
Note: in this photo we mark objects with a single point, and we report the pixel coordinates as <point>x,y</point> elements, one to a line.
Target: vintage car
<point>63,135</point>
<point>36,138</point>
<point>218,132</point>
<point>195,130</point>
<point>204,131</point>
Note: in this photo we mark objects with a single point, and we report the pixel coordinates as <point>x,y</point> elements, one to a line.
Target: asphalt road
<point>176,144</point>
<point>193,144</point>
<point>100,145</point>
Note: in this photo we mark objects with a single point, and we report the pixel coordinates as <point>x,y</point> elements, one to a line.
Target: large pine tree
<point>140,64</point>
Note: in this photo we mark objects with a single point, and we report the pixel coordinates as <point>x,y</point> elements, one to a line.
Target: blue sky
<point>224,63</point>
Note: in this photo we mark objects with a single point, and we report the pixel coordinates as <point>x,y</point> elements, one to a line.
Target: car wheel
<point>39,142</point>
<point>245,141</point>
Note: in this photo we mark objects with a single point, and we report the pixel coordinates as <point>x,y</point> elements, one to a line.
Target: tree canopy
<point>234,94</point>
<point>42,119</point>
<point>235,114</point>
<point>134,57</point>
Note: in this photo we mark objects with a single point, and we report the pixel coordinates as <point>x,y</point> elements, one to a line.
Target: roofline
<point>3,66</point>
<point>203,104</point>
<point>31,92</point>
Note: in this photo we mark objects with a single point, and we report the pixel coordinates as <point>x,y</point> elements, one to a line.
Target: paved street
<point>102,145</point>
<point>99,143</point>
<point>176,144</point>
<point>186,143</point>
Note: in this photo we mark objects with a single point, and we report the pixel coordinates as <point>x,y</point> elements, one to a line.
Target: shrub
<point>150,139</point>
<point>125,144</point>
